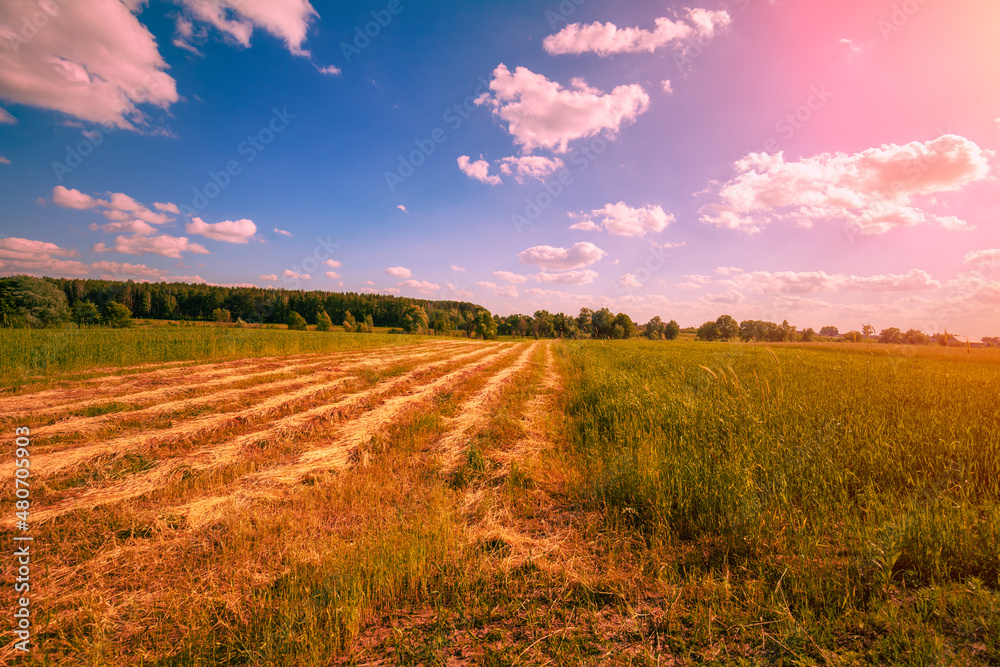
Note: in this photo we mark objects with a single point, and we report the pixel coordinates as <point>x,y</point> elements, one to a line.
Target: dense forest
<point>26,301</point>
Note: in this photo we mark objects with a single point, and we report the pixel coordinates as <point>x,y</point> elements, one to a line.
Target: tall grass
<point>27,354</point>
<point>848,470</point>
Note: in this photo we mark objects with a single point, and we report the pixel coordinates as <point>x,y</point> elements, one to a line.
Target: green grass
<point>827,485</point>
<point>28,355</point>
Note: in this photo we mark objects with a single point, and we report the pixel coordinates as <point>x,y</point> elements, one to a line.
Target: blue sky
<point>688,199</point>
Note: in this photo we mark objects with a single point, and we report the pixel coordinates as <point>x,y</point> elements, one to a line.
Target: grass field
<point>272,497</point>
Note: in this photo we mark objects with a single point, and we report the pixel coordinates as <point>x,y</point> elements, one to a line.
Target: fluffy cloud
<point>508,291</point>
<point>509,277</point>
<point>487,285</point>
<point>42,258</point>
<point>288,20</point>
<point>91,60</point>
<point>118,206</point>
<point>398,272</point>
<point>403,209</point>
<point>167,246</point>
<point>811,282</point>
<point>120,270</point>
<point>6,118</point>
<point>292,275</point>
<point>127,227</point>
<point>283,232</point>
<point>667,86</point>
<point>455,267</point>
<point>567,277</point>
<point>542,114</point>
<point>4,160</point>
<point>872,190</point>
<point>605,39</point>
<point>332,263</point>
<point>333,275</point>
<point>13,248</point>
<point>730,297</point>
<point>421,286</point>
<point>230,231</point>
<point>479,170</point>
<point>983,257</point>
<point>629,280</point>
<point>530,166</point>
<point>622,220</point>
<point>548,258</point>
<point>269,276</point>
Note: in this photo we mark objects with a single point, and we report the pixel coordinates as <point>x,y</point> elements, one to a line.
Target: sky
<point>824,163</point>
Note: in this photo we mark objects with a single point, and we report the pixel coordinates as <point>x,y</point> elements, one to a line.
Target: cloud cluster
<point>44,258</point>
<point>811,282</point>
<point>606,39</point>
<point>540,113</point>
<point>95,61</point>
<point>136,222</point>
<point>873,190</point>
<point>479,170</point>
<point>549,258</point>
<point>623,220</point>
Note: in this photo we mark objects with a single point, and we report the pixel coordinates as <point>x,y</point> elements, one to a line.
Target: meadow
<point>274,497</point>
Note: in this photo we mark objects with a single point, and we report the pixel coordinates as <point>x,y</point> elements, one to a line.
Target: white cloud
<point>333,275</point>
<point>287,20</point>
<point>508,291</point>
<point>509,277</point>
<point>332,263</point>
<point>402,208</point>
<point>728,297</point>
<point>4,160</point>
<point>168,246</point>
<point>118,206</point>
<point>329,70</point>
<point>548,258</point>
<point>455,267</point>
<point>622,220</point>
<point>629,280</point>
<point>983,257</point>
<point>168,207</point>
<point>567,277</point>
<point>15,248</point>
<point>398,272</point>
<point>811,282</point>
<point>120,270</point>
<point>487,285</point>
<point>127,227</point>
<point>292,275</point>
<point>873,190</point>
<point>606,39</point>
<point>91,60</point>
<point>479,170</point>
<point>6,118</point>
<point>668,87</point>
<point>542,114</point>
<point>530,166</point>
<point>229,231</point>
<point>269,276</point>
<point>282,232</point>
<point>370,283</point>
<point>421,286</point>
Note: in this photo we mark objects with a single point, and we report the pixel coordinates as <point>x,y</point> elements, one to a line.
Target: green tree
<point>323,321</point>
<point>829,331</point>
<point>654,328</point>
<point>486,326</point>
<point>727,328</point>
<point>708,331</point>
<point>350,323</point>
<point>854,336</point>
<point>808,335</point>
<point>117,316</point>
<point>916,337</point>
<point>891,336</point>
<point>40,301</point>
<point>414,319</point>
<point>222,316</point>
<point>369,324</point>
<point>296,322</point>
<point>671,330</point>
<point>627,325</point>
<point>85,313</point>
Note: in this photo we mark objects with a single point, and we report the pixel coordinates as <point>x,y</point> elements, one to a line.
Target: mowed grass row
<point>33,354</point>
<point>850,496</point>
